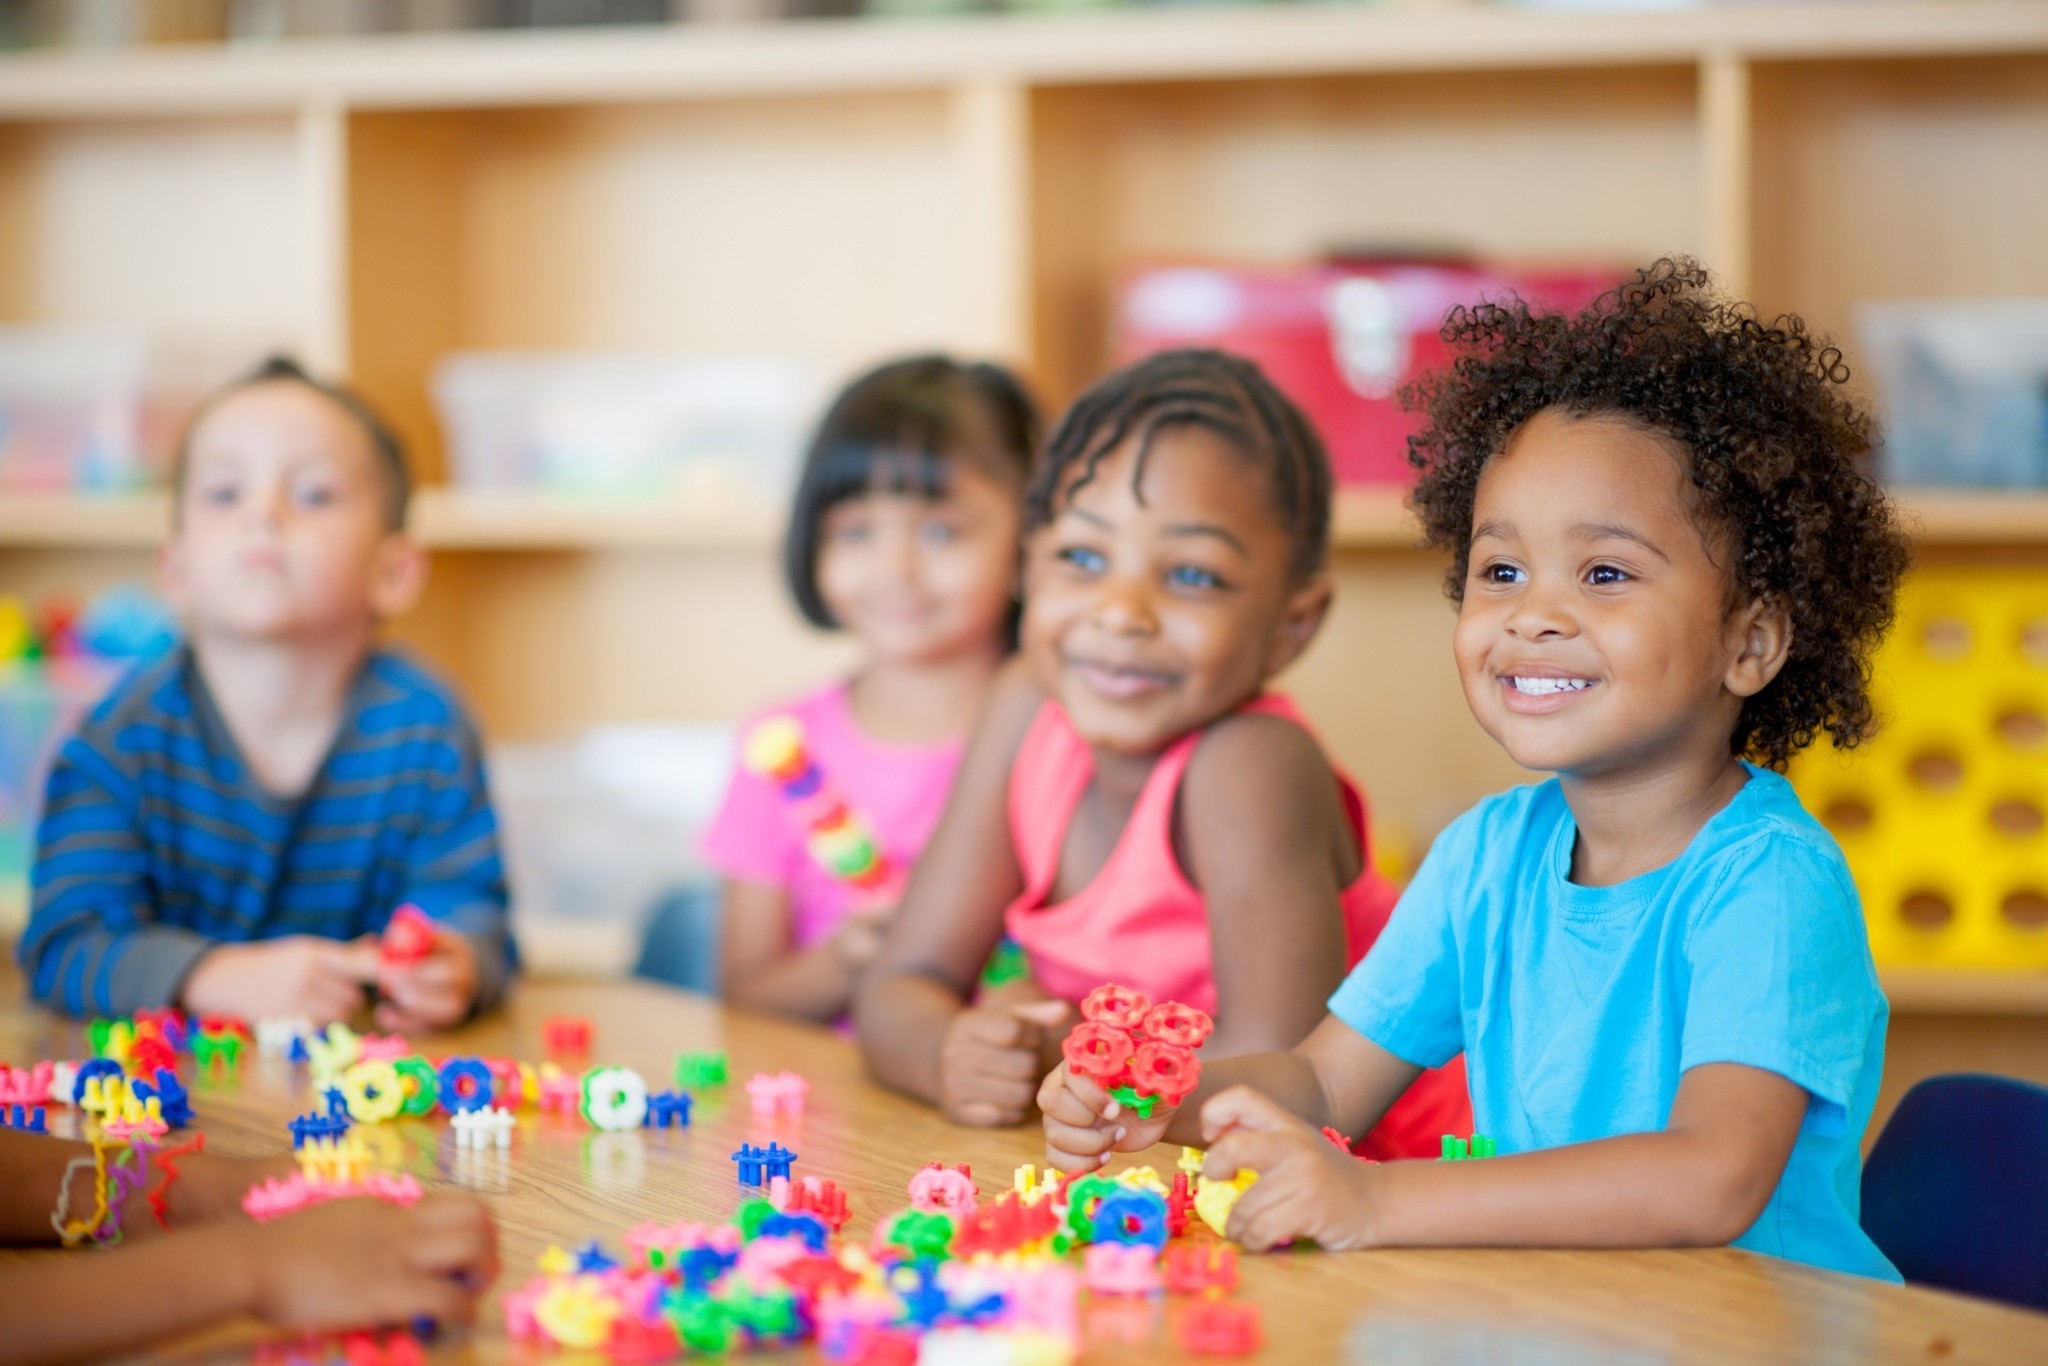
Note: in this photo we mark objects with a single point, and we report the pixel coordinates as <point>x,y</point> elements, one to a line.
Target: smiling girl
<point>1134,806</point>
<point>1671,568</point>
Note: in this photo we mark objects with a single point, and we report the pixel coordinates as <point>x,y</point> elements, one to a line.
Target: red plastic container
<point>1340,338</point>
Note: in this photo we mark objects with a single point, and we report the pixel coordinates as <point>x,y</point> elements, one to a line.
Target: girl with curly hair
<point>1670,567</point>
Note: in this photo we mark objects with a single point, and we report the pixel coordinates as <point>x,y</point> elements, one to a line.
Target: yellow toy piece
<point>17,632</point>
<point>775,748</point>
<point>329,1054</point>
<point>105,1096</point>
<point>333,1160</point>
<point>1143,1178</point>
<point>1191,1160</point>
<point>556,1261</point>
<point>374,1091</point>
<point>1944,815</point>
<point>577,1313</point>
<point>1215,1199</point>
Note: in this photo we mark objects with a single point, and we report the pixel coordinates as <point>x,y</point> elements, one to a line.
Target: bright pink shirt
<point>1141,923</point>
<point>898,790</point>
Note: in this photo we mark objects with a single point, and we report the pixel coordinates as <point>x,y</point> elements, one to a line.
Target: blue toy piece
<point>174,1102</point>
<point>87,1070</point>
<point>808,1227</point>
<point>1131,1217</point>
<point>701,1267</point>
<point>456,1096</point>
<point>592,1260</point>
<point>316,1125</point>
<point>668,1108</point>
<point>30,1119</point>
<point>297,1052</point>
<point>1952,1190</point>
<point>337,1103</point>
<point>924,1303</point>
<point>750,1159</point>
<point>776,1161</point>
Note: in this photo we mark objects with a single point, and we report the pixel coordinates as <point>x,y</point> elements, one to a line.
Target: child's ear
<point>398,576</point>
<point>174,575</point>
<point>1300,619</point>
<point>1759,637</point>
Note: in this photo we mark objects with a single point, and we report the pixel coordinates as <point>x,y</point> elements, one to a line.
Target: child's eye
<point>1602,575</point>
<point>849,533</point>
<point>314,495</point>
<point>1192,576</point>
<point>1082,558</point>
<point>1500,573</point>
<point>938,533</point>
<point>219,495</point>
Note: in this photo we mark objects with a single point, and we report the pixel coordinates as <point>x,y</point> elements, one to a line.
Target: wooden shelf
<point>1964,991</point>
<point>448,519</point>
<point>472,70</point>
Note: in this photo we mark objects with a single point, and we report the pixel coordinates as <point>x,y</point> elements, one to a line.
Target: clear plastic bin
<point>1964,387</point>
<point>716,433</point>
<point>72,407</point>
<point>40,705</point>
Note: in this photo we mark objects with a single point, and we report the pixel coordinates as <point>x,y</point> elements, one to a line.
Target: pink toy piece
<point>561,1093</point>
<point>148,1127</point>
<point>382,1048</point>
<point>939,1189</point>
<point>520,1324</point>
<point>1227,1328</point>
<point>1046,1298</point>
<point>1122,1269</point>
<point>27,1085</point>
<point>290,1194</point>
<point>408,937</point>
<point>777,1093</point>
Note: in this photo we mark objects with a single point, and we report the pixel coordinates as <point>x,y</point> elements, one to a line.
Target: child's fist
<point>1307,1186</point>
<point>992,1057</point>
<point>433,992</point>
<point>361,1263</point>
<point>321,979</point>
<point>1084,1124</point>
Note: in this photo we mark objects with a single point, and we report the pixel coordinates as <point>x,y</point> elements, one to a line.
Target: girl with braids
<point>1134,806</point>
<point>1670,568</point>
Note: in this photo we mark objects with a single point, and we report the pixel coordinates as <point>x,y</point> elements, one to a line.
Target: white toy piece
<point>489,1127</point>
<point>275,1034</point>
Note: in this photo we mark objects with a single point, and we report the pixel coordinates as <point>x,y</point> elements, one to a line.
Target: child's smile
<point>1596,635</point>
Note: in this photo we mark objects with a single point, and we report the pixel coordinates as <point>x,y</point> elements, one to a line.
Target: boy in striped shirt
<point>233,826</point>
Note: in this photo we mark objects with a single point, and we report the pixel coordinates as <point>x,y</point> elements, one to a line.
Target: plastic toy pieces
<point>373,1091</point>
<point>330,1052</point>
<point>1463,1150</point>
<point>667,1109</point>
<point>1009,1224</point>
<point>943,1190</point>
<point>333,1159</point>
<point>777,1093</point>
<point>28,1085</point>
<point>1121,1269</point>
<point>1215,1199</point>
<point>490,1127</point>
<point>615,1098</point>
<point>1200,1270</point>
<point>1134,1218</point>
<point>813,1195</point>
<point>288,1195</point>
<point>408,936</point>
<point>465,1084</point>
<point>103,1094</point>
<point>136,1117</point>
<point>561,1093</point>
<point>316,1126</point>
<point>27,1118</point>
<point>566,1036</point>
<point>82,1076</point>
<point>173,1101</point>
<point>757,1166</point>
<point>275,1034</point>
<point>836,837</point>
<point>217,1050</point>
<point>700,1071</point>
<point>1141,1053</point>
<point>1223,1328</point>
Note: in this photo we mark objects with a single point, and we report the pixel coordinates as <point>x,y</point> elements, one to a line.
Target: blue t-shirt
<point>1579,1008</point>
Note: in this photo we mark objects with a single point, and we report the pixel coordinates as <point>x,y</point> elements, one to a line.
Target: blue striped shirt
<point>157,843</point>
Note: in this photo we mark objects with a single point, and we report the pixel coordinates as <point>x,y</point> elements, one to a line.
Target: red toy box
<point>1339,338</point>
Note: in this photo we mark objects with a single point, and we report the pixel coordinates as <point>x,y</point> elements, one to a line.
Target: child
<point>342,1265</point>
<point>235,821</point>
<point>1135,807</point>
<point>904,535</point>
<point>1667,560</point>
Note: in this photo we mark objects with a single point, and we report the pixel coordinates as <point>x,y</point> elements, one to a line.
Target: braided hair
<point>1213,390</point>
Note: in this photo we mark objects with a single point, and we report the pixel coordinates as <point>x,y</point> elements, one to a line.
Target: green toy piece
<point>1466,1150</point>
<point>1128,1097</point>
<point>921,1233</point>
<point>1006,965</point>
<point>216,1050</point>
<point>695,1071</point>
<point>425,1092</point>
<point>701,1323</point>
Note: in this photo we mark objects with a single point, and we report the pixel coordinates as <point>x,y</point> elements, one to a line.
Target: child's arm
<point>1262,832</point>
<point>31,1166</point>
<point>763,971</point>
<point>981,1065</point>
<point>458,878</point>
<point>342,1265</point>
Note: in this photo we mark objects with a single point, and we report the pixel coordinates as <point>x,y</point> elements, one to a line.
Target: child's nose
<point>1540,612</point>
<point>1124,607</point>
<point>265,507</point>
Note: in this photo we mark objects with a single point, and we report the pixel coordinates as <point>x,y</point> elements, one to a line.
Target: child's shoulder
<point>1252,744</point>
<point>151,693</point>
<point>1764,833</point>
<point>400,693</point>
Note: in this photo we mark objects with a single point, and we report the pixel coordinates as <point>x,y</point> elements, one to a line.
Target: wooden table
<point>562,1183</point>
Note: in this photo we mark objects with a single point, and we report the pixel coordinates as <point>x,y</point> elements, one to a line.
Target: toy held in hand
<point>409,938</point>
<point>1141,1053</point>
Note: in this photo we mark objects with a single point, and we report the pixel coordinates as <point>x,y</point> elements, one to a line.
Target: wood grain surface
<point>563,1183</point>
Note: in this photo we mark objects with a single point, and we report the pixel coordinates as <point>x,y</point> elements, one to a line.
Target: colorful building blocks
<point>408,936</point>
<point>777,1094</point>
<point>28,1118</point>
<point>1457,1149</point>
<point>837,838</point>
<point>947,1190</point>
<point>758,1166</point>
<point>1120,1269</point>
<point>316,1126</point>
<point>614,1098</point>
<point>464,1084</point>
<point>666,1109</point>
<point>489,1127</point>
<point>373,1091</point>
<point>1140,1053</point>
<point>700,1071</point>
<point>1133,1217</point>
<point>173,1100</point>
<point>217,1050</point>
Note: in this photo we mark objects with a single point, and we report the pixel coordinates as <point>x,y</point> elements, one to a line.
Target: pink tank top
<point>1141,923</point>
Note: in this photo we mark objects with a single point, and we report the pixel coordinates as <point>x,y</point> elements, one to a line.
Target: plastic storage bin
<point>716,432</point>
<point>72,408</point>
<point>40,704</point>
<point>1340,339</point>
<point>1964,387</point>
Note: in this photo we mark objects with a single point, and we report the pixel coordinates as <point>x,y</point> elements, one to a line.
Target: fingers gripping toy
<point>1141,1053</point>
<point>835,835</point>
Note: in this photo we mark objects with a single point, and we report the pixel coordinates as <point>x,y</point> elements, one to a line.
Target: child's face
<point>918,579</point>
<point>281,529</point>
<point>1596,636</point>
<point>1153,610</point>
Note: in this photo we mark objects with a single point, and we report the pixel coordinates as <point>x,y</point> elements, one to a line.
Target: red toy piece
<point>1166,1070</point>
<point>1180,1203</point>
<point>1171,1022</point>
<point>1096,1050</point>
<point>1220,1328</point>
<point>636,1340</point>
<point>813,1195</point>
<point>226,1024</point>
<point>409,937</point>
<point>1115,1006</point>
<point>566,1035</point>
<point>1198,1270</point>
<point>1142,1054</point>
<point>150,1056</point>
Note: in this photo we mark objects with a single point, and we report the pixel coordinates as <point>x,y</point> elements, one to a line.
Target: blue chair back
<point>1955,1191</point>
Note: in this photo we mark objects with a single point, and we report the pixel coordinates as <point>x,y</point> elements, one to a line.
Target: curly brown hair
<point>1778,454</point>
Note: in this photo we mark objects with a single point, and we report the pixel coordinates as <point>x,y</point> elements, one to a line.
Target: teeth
<point>1544,687</point>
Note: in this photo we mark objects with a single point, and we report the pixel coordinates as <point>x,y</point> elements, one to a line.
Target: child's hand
<point>1084,1125</point>
<point>321,979</point>
<point>208,1189</point>
<point>433,993</point>
<point>362,1263</point>
<point>1307,1187</point>
<point>992,1057</point>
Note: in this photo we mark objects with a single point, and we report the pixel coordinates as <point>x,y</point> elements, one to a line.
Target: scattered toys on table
<point>489,1127</point>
